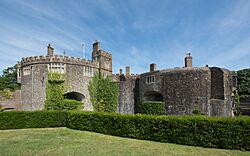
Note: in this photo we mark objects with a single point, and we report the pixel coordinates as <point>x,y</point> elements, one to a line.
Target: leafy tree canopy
<point>9,78</point>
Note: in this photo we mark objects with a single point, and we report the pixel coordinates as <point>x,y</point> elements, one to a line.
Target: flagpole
<point>84,49</point>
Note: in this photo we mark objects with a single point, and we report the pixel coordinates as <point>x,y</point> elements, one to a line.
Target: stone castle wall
<point>33,75</point>
<point>183,90</point>
<point>127,96</point>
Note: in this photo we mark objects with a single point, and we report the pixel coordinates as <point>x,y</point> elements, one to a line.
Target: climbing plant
<point>103,93</point>
<point>243,82</point>
<point>55,89</point>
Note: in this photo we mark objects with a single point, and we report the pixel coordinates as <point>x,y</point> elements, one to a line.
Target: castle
<point>184,89</point>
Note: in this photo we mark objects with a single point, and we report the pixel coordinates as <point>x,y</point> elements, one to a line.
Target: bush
<point>54,91</point>
<point>36,119</point>
<point>217,132</point>
<point>69,104</point>
<point>103,93</point>
<point>152,107</point>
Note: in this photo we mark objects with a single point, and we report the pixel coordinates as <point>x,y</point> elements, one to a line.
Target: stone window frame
<point>57,68</point>
<point>150,79</point>
<point>88,71</point>
<point>26,70</point>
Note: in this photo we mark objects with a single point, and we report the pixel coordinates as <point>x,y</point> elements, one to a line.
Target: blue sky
<point>136,32</point>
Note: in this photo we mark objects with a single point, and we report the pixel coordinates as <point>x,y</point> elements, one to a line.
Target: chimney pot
<point>152,67</point>
<point>96,46</point>
<point>188,60</point>
<point>50,50</point>
<point>127,71</point>
<point>120,72</point>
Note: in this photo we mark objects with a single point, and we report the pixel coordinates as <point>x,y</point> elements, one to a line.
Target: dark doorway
<point>74,96</point>
<point>153,96</point>
<point>217,83</point>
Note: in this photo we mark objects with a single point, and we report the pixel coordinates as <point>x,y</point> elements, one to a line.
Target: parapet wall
<point>102,53</point>
<point>57,58</point>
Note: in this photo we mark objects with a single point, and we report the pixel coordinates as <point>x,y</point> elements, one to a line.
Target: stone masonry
<point>183,90</point>
<point>33,75</point>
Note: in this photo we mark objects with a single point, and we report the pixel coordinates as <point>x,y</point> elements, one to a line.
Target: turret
<point>102,57</point>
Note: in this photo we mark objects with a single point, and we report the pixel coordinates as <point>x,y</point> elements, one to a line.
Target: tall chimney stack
<point>50,50</point>
<point>96,46</point>
<point>152,67</point>
<point>127,71</point>
<point>120,72</point>
<point>188,60</point>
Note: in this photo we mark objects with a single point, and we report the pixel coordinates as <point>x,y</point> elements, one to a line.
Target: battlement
<point>56,58</point>
<point>102,53</point>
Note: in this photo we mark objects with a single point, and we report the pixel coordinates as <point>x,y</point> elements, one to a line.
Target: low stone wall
<point>14,102</point>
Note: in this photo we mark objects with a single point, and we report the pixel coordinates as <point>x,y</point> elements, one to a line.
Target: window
<point>26,70</point>
<point>56,67</point>
<point>104,74</point>
<point>150,79</point>
<point>88,71</point>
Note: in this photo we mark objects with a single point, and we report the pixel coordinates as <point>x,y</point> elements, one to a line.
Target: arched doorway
<point>152,96</point>
<point>74,96</point>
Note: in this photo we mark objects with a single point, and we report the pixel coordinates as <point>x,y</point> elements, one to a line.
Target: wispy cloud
<point>136,32</point>
<point>237,17</point>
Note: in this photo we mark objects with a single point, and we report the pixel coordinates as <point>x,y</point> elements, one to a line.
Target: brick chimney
<point>96,46</point>
<point>188,60</point>
<point>127,71</point>
<point>50,50</point>
<point>120,72</point>
<point>152,67</point>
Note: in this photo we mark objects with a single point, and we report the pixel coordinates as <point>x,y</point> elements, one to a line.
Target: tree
<point>243,78</point>
<point>103,93</point>
<point>9,78</point>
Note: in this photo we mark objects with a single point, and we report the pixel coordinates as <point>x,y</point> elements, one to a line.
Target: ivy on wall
<point>103,93</point>
<point>243,82</point>
<point>55,89</point>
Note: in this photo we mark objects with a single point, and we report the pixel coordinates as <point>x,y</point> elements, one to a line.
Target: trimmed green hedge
<point>36,119</point>
<point>152,107</point>
<point>216,132</point>
<point>69,104</point>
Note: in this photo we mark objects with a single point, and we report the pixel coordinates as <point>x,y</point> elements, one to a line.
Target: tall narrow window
<point>88,71</point>
<point>26,70</point>
<point>150,79</point>
<point>56,67</point>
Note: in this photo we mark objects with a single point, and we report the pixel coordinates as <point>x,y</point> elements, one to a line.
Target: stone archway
<point>74,96</point>
<point>152,96</point>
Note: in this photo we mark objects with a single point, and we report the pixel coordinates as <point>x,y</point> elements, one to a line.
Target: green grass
<point>64,141</point>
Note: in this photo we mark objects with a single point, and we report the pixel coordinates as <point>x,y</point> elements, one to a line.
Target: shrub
<point>69,104</point>
<point>36,119</point>
<point>217,132</point>
<point>54,91</point>
<point>103,93</point>
<point>152,107</point>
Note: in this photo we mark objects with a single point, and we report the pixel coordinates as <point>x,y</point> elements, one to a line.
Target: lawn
<point>64,141</point>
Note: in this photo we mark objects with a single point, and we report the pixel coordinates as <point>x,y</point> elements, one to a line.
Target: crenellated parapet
<point>102,53</point>
<point>57,59</point>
